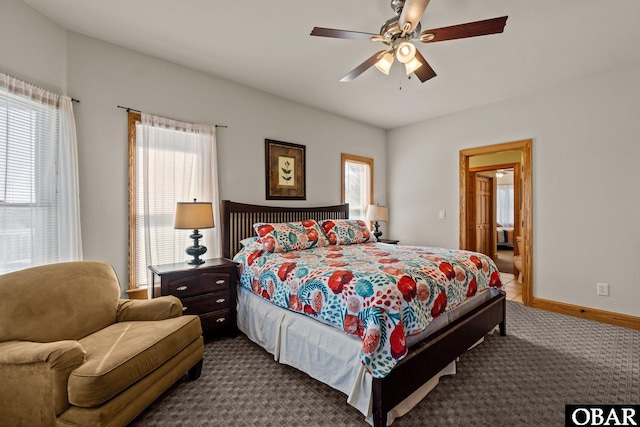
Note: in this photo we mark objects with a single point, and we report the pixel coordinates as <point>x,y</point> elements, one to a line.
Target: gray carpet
<point>522,379</point>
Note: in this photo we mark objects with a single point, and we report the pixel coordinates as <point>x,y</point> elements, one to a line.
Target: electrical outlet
<point>602,289</point>
<point>442,214</point>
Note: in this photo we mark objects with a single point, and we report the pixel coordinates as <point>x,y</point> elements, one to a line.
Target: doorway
<point>469,200</point>
<point>506,204</point>
<point>507,216</point>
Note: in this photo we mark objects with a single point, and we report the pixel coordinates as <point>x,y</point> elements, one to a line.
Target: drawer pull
<point>219,282</point>
<point>220,320</point>
<point>184,308</point>
<point>181,288</point>
<point>220,300</point>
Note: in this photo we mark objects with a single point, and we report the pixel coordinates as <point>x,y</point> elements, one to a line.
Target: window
<point>169,162</point>
<point>504,214</point>
<point>34,143</point>
<point>357,184</point>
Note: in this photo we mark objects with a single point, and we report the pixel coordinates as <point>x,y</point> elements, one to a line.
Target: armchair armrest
<point>59,355</point>
<point>159,308</point>
<point>34,380</point>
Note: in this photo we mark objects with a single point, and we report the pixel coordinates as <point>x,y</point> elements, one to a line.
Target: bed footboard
<point>429,357</point>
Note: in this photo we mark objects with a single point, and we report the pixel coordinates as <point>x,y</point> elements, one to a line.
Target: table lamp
<point>196,216</point>
<point>377,213</point>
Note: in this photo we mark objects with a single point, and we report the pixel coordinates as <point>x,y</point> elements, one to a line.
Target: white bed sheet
<point>328,354</point>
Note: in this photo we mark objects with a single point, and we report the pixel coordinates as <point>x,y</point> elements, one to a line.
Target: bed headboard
<point>238,220</point>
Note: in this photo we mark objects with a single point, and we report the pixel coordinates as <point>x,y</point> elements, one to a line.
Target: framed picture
<point>285,170</point>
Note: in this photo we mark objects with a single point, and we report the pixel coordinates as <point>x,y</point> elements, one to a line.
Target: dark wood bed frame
<point>426,358</point>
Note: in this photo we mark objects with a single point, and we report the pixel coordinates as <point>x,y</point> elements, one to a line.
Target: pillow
<point>290,236</point>
<point>345,231</point>
<point>248,241</point>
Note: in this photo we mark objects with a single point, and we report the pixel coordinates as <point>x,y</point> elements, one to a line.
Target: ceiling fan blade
<point>412,12</point>
<point>425,72</point>
<point>362,67</point>
<point>461,31</point>
<point>342,34</point>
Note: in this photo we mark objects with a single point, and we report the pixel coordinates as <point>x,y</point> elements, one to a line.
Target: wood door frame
<point>526,198</point>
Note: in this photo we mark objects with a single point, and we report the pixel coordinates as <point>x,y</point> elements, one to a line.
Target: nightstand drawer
<point>205,303</point>
<point>216,320</point>
<point>198,284</point>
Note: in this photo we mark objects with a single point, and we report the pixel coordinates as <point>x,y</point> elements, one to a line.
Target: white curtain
<point>69,193</point>
<point>39,201</point>
<point>175,162</point>
<point>504,214</point>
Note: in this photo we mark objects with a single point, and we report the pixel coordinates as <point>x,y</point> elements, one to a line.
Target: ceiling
<point>266,45</point>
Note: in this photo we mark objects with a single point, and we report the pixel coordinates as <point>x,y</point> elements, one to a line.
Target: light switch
<point>443,214</point>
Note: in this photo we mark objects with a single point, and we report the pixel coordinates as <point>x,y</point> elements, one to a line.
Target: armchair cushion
<point>149,309</point>
<point>121,354</point>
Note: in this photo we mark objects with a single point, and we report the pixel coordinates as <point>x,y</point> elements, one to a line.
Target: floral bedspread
<point>381,293</point>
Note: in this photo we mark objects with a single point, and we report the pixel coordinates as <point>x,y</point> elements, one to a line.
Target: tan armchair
<point>72,353</point>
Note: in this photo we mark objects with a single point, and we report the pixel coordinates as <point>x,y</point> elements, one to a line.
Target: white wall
<point>506,179</point>
<point>33,48</point>
<point>586,209</point>
<point>103,76</point>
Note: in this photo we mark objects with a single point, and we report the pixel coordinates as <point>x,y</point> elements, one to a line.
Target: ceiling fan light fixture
<point>412,65</point>
<point>384,63</point>
<point>405,52</point>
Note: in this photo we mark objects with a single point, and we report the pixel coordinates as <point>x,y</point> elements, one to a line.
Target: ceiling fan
<point>398,34</point>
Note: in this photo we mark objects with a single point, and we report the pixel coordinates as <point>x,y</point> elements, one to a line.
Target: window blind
<point>29,150</point>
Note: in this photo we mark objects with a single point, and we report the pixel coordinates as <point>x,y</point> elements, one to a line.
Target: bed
<point>381,388</point>
<point>505,236</point>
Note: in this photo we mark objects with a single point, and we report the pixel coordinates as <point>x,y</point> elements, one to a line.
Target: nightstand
<point>389,241</point>
<point>208,290</point>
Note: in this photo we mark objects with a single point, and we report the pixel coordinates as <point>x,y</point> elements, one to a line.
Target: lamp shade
<point>377,213</point>
<point>384,63</point>
<point>405,52</point>
<point>194,215</point>
<point>412,65</point>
